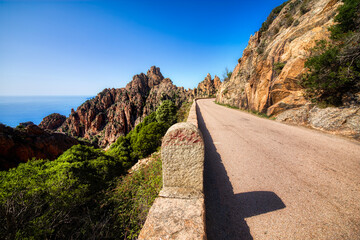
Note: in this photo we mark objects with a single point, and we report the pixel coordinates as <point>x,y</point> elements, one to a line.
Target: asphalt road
<point>268,180</point>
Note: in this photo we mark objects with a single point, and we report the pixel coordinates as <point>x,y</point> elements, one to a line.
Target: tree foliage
<point>274,13</point>
<point>74,196</point>
<point>134,196</point>
<point>57,199</point>
<point>227,74</point>
<point>145,138</point>
<point>166,113</point>
<point>334,66</point>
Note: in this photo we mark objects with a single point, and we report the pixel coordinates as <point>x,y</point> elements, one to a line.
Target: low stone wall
<point>192,118</point>
<point>179,211</point>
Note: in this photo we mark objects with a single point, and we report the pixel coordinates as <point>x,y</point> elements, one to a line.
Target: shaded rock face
<point>19,145</point>
<point>25,124</point>
<point>114,112</point>
<point>208,87</point>
<point>53,121</point>
<point>267,77</point>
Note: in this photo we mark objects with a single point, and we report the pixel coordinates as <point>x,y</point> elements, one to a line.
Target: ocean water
<point>17,109</point>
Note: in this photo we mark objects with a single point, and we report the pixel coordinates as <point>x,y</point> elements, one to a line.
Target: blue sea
<point>15,109</point>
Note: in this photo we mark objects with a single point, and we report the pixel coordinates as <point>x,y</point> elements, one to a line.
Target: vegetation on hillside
<point>226,75</point>
<point>85,194</point>
<point>274,13</point>
<point>334,65</point>
<point>133,197</point>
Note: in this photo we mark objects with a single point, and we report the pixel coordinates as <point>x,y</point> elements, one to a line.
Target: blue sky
<point>64,47</point>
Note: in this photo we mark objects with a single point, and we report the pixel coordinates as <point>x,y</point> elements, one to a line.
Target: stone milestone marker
<point>182,154</point>
<point>179,212</point>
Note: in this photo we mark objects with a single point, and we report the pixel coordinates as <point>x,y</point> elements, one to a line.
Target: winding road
<point>268,180</point>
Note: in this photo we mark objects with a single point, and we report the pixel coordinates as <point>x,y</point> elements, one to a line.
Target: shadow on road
<point>226,211</point>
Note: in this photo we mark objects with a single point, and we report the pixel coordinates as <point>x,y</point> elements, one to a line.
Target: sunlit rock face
<point>266,79</point>
<point>114,112</point>
<point>208,87</point>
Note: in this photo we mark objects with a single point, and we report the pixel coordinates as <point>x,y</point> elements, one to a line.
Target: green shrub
<point>145,138</point>
<point>288,20</point>
<point>328,78</point>
<point>334,67</point>
<point>347,19</point>
<point>274,13</point>
<point>226,75</point>
<point>166,113</point>
<point>121,150</point>
<point>304,8</point>
<point>183,112</point>
<point>261,48</point>
<point>73,196</point>
<point>278,67</point>
<point>148,139</point>
<point>133,197</point>
<point>57,199</point>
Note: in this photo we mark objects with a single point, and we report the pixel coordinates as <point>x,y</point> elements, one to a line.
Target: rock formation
<point>18,145</point>
<point>208,87</point>
<point>25,124</point>
<point>344,121</point>
<point>114,112</point>
<point>53,121</point>
<point>267,76</point>
<point>266,79</point>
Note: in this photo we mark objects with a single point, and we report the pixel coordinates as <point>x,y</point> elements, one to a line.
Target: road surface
<point>268,180</point>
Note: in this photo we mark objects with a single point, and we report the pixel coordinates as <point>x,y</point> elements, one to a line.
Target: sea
<point>18,109</point>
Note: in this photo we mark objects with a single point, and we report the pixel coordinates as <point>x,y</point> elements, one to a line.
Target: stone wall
<point>179,211</point>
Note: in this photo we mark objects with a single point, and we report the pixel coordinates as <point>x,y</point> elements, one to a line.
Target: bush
<point>133,197</point>
<point>166,113</point>
<point>329,78</point>
<point>121,150</point>
<point>183,112</point>
<point>145,138</point>
<point>347,19</point>
<point>226,75</point>
<point>278,67</point>
<point>57,199</point>
<point>73,196</point>
<point>304,8</point>
<point>274,13</point>
<point>334,67</point>
<point>288,20</point>
<point>261,48</point>
<point>148,139</point>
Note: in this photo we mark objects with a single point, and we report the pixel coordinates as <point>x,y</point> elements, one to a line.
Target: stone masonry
<point>179,212</point>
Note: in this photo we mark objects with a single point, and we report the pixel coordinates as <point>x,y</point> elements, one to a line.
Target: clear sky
<point>64,47</point>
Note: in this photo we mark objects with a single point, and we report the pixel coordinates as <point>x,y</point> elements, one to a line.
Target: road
<point>268,180</point>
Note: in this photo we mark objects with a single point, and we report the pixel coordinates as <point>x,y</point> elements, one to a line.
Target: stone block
<point>182,154</point>
<point>172,218</point>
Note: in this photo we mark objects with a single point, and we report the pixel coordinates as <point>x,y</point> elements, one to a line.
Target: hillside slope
<point>114,112</point>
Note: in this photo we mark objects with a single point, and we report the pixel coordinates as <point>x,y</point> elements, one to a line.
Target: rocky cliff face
<point>21,144</point>
<point>267,76</point>
<point>266,79</point>
<point>208,87</point>
<point>114,112</point>
<point>53,121</point>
